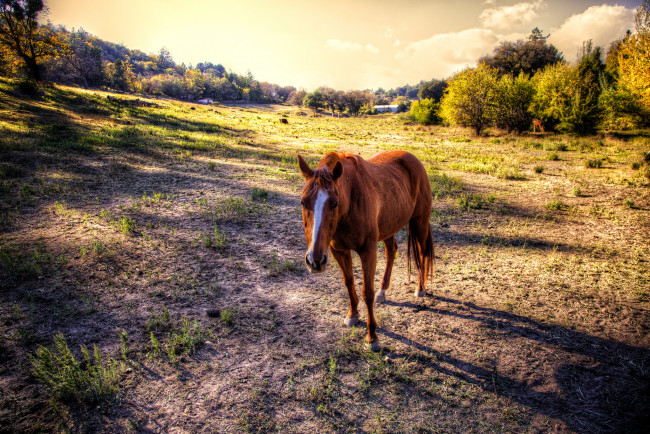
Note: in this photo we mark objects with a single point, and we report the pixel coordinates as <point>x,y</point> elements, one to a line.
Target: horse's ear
<point>304,168</point>
<point>337,171</point>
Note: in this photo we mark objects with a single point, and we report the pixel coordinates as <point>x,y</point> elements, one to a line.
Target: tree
<point>523,56</point>
<point>120,76</point>
<point>354,100</point>
<point>22,37</point>
<point>433,89</point>
<point>164,60</point>
<point>332,99</point>
<point>567,96</point>
<point>425,111</point>
<point>513,98</point>
<point>194,82</point>
<point>297,97</point>
<point>470,98</point>
<point>613,52</point>
<point>284,92</point>
<point>634,58</point>
<point>313,100</point>
<point>590,74</point>
<point>79,60</point>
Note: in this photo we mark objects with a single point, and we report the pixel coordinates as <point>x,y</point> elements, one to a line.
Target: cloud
<point>444,54</point>
<point>508,16</point>
<point>371,48</point>
<point>347,46</point>
<point>602,24</point>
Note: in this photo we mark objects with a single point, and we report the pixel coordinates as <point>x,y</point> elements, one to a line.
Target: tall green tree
<point>470,98</point>
<point>433,90</point>
<point>527,56</point>
<point>22,37</point>
<point>567,96</point>
<point>332,99</point>
<point>313,100</point>
<point>513,98</point>
<point>591,76</point>
<point>354,100</point>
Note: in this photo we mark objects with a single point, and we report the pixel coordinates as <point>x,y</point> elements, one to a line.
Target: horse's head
<point>320,200</point>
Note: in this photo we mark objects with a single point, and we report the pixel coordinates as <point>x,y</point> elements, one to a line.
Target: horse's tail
<point>415,253</point>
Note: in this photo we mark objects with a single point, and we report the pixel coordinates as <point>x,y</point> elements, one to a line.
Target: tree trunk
<point>32,66</point>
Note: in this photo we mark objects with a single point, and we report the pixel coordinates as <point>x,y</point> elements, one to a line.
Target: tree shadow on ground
<point>609,392</point>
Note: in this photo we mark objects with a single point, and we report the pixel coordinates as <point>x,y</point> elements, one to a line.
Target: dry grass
<point>142,218</point>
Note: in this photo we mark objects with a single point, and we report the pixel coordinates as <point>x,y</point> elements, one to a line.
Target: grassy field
<point>123,220</point>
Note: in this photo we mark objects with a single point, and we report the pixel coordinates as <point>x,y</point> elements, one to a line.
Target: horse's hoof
<point>380,297</point>
<point>373,346</point>
<point>420,293</point>
<point>350,321</point>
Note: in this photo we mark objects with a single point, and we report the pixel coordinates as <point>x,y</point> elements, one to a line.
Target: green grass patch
<point>185,340</point>
<point>474,201</point>
<point>594,163</point>
<point>259,194</point>
<point>92,380</point>
<point>443,185</point>
<point>555,205</point>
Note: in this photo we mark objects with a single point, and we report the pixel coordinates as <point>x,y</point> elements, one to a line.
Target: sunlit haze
<point>346,45</point>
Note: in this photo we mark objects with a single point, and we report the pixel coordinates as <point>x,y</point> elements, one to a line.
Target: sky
<point>344,44</point>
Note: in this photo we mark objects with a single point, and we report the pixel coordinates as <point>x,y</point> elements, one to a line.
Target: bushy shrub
<point>425,112</point>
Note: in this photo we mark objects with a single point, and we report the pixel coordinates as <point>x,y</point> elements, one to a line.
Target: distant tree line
<point>520,81</point>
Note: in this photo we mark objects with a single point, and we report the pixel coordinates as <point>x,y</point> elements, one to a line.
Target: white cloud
<point>442,55</point>
<point>337,45</point>
<point>490,2</point>
<point>397,43</point>
<point>602,24</point>
<point>388,32</point>
<point>371,48</point>
<point>347,46</point>
<point>508,16</point>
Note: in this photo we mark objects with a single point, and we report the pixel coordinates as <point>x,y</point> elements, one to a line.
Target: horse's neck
<point>354,190</point>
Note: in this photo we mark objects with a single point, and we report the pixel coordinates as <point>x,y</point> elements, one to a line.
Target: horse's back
<point>401,166</point>
<point>402,187</point>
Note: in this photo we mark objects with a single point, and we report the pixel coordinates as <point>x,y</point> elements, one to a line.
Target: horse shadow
<point>611,392</point>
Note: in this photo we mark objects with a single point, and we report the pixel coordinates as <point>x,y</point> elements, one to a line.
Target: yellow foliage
<point>634,67</point>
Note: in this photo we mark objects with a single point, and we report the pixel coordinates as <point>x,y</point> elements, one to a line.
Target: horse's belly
<point>392,218</point>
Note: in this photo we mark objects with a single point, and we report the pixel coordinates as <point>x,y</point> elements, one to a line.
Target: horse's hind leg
<point>422,231</point>
<point>391,248</point>
<point>344,259</point>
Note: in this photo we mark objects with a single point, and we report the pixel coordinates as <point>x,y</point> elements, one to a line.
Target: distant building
<point>205,101</point>
<point>386,108</point>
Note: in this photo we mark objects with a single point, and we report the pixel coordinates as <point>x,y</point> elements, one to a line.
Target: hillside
<point>123,220</point>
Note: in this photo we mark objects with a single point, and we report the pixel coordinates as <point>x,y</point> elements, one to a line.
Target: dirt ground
<point>537,319</point>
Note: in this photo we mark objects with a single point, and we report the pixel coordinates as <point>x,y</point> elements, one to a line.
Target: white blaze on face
<point>321,199</point>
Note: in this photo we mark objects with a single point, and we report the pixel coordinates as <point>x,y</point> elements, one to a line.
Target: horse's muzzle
<point>315,266</point>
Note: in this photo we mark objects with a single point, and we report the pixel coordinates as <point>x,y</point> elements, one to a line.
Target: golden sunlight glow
<point>346,45</point>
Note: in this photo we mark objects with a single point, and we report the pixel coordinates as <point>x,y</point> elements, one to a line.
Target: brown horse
<point>349,203</point>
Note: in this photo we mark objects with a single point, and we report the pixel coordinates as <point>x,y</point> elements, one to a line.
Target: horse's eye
<point>302,202</point>
<point>335,204</point>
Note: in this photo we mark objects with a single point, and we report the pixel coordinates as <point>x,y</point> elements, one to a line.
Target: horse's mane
<point>331,158</point>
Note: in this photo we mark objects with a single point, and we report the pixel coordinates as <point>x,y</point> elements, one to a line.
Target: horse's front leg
<point>391,249</point>
<point>369,264</point>
<point>344,259</point>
